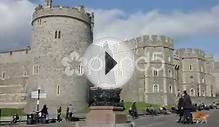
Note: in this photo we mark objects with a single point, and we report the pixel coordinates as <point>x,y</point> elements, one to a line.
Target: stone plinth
<point>105,116</point>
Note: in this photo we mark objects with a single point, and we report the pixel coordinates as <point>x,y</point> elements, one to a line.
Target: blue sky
<point>191,23</point>
<point>142,5</point>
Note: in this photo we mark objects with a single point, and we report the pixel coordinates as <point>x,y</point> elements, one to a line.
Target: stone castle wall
<point>59,31</point>
<point>15,70</point>
<point>216,74</point>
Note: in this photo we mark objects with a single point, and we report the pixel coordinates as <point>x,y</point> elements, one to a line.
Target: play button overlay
<point>108,63</point>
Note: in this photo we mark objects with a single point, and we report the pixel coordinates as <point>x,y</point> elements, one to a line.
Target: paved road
<point>149,121</point>
<point>170,121</point>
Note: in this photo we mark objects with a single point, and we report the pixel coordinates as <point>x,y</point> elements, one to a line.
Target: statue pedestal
<point>106,116</point>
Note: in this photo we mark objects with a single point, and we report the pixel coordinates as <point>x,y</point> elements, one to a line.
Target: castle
<point>172,72</point>
<point>58,31</point>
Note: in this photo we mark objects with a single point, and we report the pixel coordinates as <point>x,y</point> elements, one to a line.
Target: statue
<point>105,97</point>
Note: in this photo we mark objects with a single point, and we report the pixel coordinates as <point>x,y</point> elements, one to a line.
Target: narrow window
<point>59,36</point>
<point>171,89</point>
<point>58,90</point>
<point>190,67</point>
<point>155,73</point>
<point>56,34</point>
<point>36,69</point>
<point>80,70</point>
<point>3,75</point>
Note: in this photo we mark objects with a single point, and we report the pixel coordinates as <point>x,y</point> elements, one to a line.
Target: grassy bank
<point>11,112</point>
<point>141,106</point>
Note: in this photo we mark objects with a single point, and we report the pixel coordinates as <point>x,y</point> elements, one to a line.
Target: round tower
<point>58,32</point>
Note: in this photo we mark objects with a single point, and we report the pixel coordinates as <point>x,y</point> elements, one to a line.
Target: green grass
<point>11,112</point>
<point>141,106</point>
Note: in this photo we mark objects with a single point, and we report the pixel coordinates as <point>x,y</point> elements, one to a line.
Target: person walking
<point>133,110</point>
<point>44,111</point>
<point>180,109</point>
<point>187,108</point>
<point>59,112</point>
<point>67,115</point>
<point>70,112</point>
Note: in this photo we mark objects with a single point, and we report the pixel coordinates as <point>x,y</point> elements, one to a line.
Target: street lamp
<point>38,99</point>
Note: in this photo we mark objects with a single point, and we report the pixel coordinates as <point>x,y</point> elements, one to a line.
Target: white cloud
<point>15,23</point>
<point>15,19</point>
<point>117,23</point>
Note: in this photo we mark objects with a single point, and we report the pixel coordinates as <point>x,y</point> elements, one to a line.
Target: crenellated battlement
<point>189,52</point>
<point>78,13</point>
<point>209,57</point>
<point>151,41</point>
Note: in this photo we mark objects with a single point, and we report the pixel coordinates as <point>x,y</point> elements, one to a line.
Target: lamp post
<point>38,99</point>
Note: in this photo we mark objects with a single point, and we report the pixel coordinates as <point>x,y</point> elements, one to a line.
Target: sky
<point>191,23</point>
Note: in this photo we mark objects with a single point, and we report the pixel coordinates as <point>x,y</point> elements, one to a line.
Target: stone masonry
<point>59,31</point>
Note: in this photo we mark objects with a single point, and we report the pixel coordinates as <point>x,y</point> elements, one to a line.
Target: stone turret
<point>57,32</point>
<point>48,4</point>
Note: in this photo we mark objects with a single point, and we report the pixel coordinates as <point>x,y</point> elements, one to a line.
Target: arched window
<point>192,92</point>
<point>156,88</point>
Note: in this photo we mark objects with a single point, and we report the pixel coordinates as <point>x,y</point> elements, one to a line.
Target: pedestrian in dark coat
<point>67,114</point>
<point>187,108</point>
<point>44,111</point>
<point>59,113</point>
<point>180,108</point>
<point>133,110</point>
